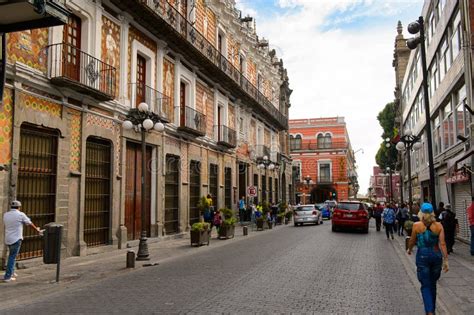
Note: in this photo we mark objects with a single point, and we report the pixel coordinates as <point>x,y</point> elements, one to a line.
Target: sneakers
<point>392,237</point>
<point>10,279</point>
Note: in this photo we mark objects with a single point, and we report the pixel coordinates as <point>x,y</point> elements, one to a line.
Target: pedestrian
<point>208,211</point>
<point>450,223</point>
<point>14,220</point>
<point>217,220</point>
<point>431,256</point>
<point>242,209</point>
<point>377,214</point>
<point>439,211</point>
<point>470,214</point>
<point>388,216</point>
<point>402,218</point>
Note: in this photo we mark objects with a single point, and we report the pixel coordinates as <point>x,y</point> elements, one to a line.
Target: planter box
<point>199,238</point>
<point>279,220</point>
<point>226,231</point>
<point>259,224</point>
<point>287,221</point>
<point>269,224</point>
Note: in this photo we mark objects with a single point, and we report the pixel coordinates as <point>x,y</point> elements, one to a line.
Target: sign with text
<point>252,191</point>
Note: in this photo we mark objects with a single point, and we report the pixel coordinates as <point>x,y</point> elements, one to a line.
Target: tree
<point>387,157</point>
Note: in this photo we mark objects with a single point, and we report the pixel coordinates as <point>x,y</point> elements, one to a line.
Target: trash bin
<point>52,243</point>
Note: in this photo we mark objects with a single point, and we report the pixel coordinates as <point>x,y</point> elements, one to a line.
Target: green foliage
<point>203,204</point>
<point>200,226</point>
<point>281,214</point>
<point>288,215</point>
<point>265,206</point>
<point>229,217</point>
<point>283,207</point>
<point>387,157</point>
<point>408,225</point>
<point>230,221</point>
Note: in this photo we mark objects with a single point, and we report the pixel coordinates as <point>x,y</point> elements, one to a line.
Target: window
<point>324,141</point>
<point>324,172</point>
<point>296,169</point>
<point>141,79</point>
<point>259,82</point>
<point>456,37</point>
<point>443,61</point>
<point>295,142</point>
<point>448,127</point>
<point>436,136</point>
<point>243,65</point>
<point>460,113</point>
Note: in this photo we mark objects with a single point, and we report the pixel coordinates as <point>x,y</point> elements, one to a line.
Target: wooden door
<point>71,48</point>
<point>133,191</point>
<point>141,79</point>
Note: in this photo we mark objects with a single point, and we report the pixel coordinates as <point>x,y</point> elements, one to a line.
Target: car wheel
<point>334,229</point>
<point>296,224</point>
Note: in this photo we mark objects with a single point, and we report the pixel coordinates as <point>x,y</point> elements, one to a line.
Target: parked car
<point>331,204</point>
<point>325,210</point>
<point>350,214</point>
<point>307,214</point>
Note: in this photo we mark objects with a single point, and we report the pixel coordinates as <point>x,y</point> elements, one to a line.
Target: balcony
<point>158,103</point>
<point>225,136</point>
<point>314,146</point>
<point>192,121</point>
<point>166,23</point>
<point>75,69</point>
<point>261,151</point>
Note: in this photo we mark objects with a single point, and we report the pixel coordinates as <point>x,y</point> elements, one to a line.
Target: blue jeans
<point>14,249</point>
<point>472,240</point>
<point>428,262</point>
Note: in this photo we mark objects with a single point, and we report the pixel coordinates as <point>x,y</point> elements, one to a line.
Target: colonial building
<point>323,160</point>
<point>380,189</point>
<point>201,68</point>
<point>449,66</point>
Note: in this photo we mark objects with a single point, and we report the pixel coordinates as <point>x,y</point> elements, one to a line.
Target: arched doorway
<point>321,193</point>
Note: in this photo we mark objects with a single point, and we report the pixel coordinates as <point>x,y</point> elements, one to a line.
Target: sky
<point>339,57</point>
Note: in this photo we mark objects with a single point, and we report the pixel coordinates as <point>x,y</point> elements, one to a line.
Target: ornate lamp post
<point>389,171</point>
<point>408,142</point>
<point>308,181</point>
<point>413,43</point>
<point>265,163</point>
<point>143,120</point>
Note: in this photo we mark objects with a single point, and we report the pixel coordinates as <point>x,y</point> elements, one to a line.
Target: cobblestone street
<point>301,270</point>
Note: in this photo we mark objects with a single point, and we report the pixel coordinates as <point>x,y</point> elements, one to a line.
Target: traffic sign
<point>251,191</point>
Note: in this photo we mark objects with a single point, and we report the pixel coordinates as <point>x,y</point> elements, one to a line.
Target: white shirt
<point>14,220</point>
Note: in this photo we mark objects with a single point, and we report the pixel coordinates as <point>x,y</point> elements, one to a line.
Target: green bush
<point>227,213</point>
<point>283,207</point>
<point>288,215</point>
<point>230,221</point>
<point>200,226</point>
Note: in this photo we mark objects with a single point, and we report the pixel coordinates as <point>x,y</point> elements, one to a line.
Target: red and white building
<point>379,190</point>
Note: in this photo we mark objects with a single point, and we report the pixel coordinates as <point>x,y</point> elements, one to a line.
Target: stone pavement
<point>456,287</point>
<point>37,280</point>
<point>288,270</point>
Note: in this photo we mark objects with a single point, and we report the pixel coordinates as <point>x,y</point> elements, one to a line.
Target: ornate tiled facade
<point>6,116</point>
<point>76,130</point>
<point>111,47</point>
<point>27,47</point>
<point>168,86</point>
<point>39,104</point>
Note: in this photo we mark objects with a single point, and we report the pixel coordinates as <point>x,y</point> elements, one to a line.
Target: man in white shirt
<point>14,221</point>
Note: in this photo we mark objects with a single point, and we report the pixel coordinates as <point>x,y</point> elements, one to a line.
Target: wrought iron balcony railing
<point>154,11</point>
<point>310,146</point>
<point>158,103</point>
<point>80,71</point>
<point>192,121</point>
<point>225,136</point>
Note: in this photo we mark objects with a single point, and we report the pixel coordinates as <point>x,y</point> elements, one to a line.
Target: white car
<point>307,214</point>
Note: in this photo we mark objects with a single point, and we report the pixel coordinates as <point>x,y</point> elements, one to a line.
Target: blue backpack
<point>389,216</point>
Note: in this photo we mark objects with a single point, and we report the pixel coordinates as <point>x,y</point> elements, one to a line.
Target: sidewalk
<point>456,287</point>
<point>38,280</point>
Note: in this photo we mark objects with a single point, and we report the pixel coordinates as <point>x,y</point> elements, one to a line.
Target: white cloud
<point>339,72</point>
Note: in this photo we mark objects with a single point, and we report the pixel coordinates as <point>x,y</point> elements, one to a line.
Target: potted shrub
<point>280,218</point>
<point>288,216</point>
<point>227,229</point>
<point>200,234</point>
<point>408,226</point>
<point>203,207</point>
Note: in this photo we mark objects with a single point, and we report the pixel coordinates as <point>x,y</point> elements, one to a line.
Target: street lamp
<point>389,170</point>
<point>143,120</point>
<point>263,164</point>
<point>308,181</point>
<point>413,43</point>
<point>408,142</point>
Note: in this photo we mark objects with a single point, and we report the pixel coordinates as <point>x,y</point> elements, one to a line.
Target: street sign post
<point>251,191</point>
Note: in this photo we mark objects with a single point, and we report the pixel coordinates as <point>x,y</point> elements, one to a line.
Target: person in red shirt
<point>470,216</point>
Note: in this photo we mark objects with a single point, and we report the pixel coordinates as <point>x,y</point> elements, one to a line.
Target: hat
<point>15,204</point>
<point>426,207</point>
<point>447,206</point>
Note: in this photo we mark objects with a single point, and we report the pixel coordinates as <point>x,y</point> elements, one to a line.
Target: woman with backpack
<point>388,217</point>
<point>431,256</point>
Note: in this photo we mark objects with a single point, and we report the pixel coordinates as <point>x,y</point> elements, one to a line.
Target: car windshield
<point>321,206</point>
<point>350,206</point>
<point>305,208</point>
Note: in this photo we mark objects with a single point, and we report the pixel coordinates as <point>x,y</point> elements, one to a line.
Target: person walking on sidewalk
<point>450,223</point>
<point>377,214</point>
<point>14,220</point>
<point>402,217</point>
<point>242,209</point>
<point>388,216</point>
<point>431,256</point>
<point>470,215</point>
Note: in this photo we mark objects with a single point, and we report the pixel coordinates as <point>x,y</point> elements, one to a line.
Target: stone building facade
<point>449,67</point>
<point>223,95</point>
<point>321,151</point>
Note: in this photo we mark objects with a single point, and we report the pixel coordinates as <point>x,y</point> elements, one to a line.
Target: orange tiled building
<point>323,160</point>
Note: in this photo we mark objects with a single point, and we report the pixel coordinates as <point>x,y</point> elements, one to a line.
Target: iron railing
<point>158,103</point>
<point>171,220</point>
<point>182,26</point>
<point>306,146</point>
<point>192,121</point>
<point>225,136</point>
<point>69,64</point>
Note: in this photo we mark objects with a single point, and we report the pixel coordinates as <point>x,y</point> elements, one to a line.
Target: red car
<point>350,214</point>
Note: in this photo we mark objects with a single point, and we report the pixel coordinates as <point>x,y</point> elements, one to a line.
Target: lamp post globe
<point>408,133</point>
<point>148,124</point>
<point>265,158</point>
<point>417,145</point>
<point>159,126</point>
<point>413,28</point>
<point>143,107</point>
<point>271,166</point>
<point>127,125</point>
<point>400,146</point>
